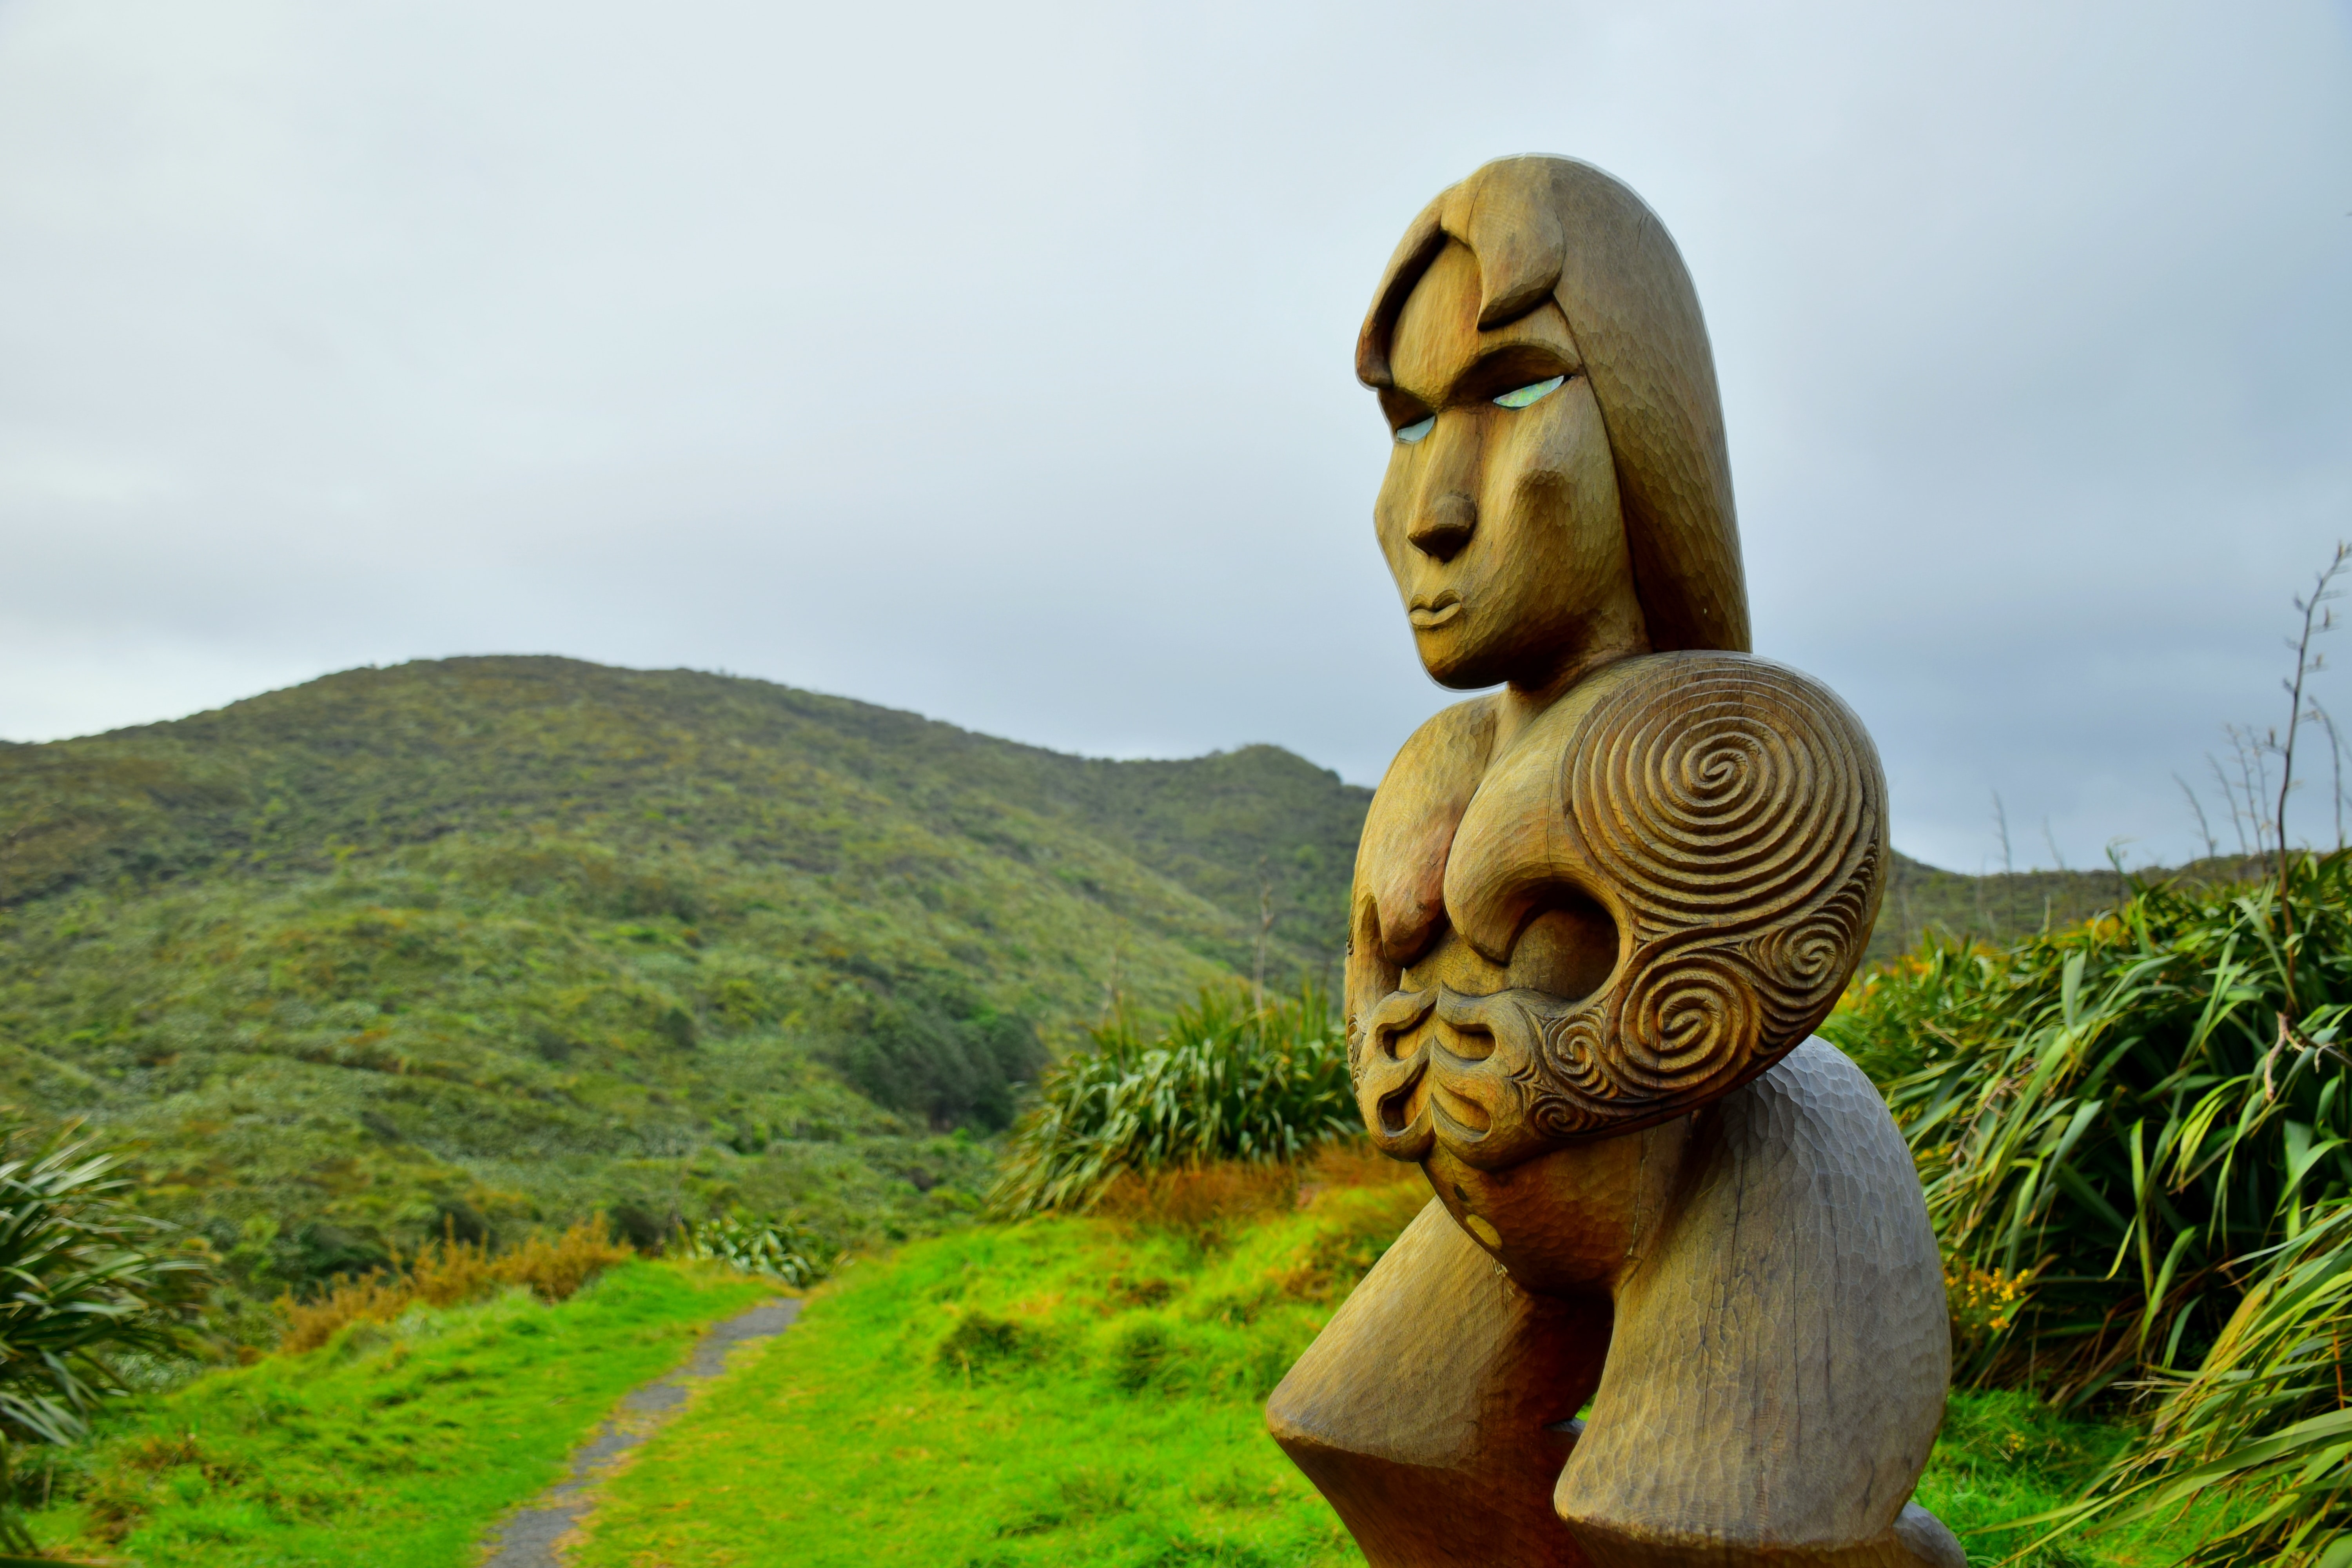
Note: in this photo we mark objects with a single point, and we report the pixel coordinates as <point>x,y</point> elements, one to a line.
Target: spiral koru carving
<point>1733,816</point>
<point>1720,790</point>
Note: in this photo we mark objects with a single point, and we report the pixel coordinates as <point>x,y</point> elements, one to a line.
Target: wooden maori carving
<point>1676,1300</point>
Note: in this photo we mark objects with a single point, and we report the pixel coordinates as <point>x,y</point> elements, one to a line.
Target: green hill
<point>481,943</point>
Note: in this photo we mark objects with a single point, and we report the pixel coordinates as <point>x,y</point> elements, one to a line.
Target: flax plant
<point>2262,1426</point>
<point>87,1280</point>
<point>1223,1080</point>
<point>2124,1115</point>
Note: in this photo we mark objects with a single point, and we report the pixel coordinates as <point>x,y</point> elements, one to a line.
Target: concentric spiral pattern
<point>1720,790</point>
<point>1733,816</point>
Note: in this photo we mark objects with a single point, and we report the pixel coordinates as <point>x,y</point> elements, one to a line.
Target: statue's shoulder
<point>1400,864</point>
<point>1452,745</point>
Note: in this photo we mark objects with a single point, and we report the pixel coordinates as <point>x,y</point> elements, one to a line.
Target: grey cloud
<point>996,362</point>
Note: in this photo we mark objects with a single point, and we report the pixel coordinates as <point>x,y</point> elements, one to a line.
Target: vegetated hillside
<point>478,943</point>
<point>648,759</point>
<point>2001,907</point>
<point>2008,906</point>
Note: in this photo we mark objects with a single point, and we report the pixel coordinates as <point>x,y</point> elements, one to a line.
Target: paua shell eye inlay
<point>1534,393</point>
<point>1409,434</point>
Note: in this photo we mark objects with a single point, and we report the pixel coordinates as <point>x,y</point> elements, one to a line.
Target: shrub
<point>981,1346</point>
<point>927,1046</point>
<point>1138,1353</point>
<point>775,1247</point>
<point>374,1298</point>
<point>556,1270</point>
<point>1223,1082</point>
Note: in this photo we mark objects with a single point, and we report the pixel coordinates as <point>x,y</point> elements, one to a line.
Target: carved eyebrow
<point>1509,366</point>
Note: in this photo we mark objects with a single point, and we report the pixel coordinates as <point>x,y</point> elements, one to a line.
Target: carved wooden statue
<point>1597,914</point>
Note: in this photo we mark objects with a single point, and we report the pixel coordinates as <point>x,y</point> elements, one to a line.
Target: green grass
<point>391,1447</point>
<point>1072,1391</point>
<point>1055,1392</point>
<point>2004,1456</point>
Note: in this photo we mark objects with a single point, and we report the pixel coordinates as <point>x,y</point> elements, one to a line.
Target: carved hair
<point>1554,228</point>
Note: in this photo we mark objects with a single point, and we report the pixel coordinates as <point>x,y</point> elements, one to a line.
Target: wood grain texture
<point>1596,913</point>
<point>1756,1287</point>
<point>1447,1452</point>
<point>1763,1395</point>
<point>1559,230</point>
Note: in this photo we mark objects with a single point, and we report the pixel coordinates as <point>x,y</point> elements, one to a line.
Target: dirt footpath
<point>533,1538</point>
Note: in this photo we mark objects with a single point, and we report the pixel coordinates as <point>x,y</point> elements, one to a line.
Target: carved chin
<point>1450,658</point>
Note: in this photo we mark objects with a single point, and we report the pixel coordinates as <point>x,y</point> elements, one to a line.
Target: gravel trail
<point>529,1539</point>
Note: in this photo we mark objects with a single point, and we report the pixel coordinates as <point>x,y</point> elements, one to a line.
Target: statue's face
<point>1499,515</point>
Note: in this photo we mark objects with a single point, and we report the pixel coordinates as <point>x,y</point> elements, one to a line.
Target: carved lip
<point>1428,614</point>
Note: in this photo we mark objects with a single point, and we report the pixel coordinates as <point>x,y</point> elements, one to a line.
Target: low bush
<point>777,1249</point>
<point>982,1345</point>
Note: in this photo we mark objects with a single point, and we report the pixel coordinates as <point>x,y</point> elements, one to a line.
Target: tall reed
<point>2263,1422</point>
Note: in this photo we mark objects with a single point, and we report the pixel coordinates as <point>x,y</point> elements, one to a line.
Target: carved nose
<point>1445,526</point>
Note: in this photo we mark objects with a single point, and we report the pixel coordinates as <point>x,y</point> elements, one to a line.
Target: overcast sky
<point>996,362</point>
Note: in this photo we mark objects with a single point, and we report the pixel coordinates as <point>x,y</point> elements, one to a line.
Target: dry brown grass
<point>1205,1200</point>
<point>1198,1199</point>
<point>555,1270</point>
<point>449,1273</point>
<point>373,1297</point>
<point>1351,1162</point>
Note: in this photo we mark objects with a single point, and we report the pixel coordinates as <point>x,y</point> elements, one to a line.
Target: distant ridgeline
<point>473,943</point>
<point>479,943</point>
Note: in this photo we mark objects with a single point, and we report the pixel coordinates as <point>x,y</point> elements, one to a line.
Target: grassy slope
<point>393,1448</point>
<point>506,939</point>
<point>1058,1391</point>
<point>1068,1392</point>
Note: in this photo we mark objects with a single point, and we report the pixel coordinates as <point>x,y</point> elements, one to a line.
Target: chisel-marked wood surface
<point>1597,914</point>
